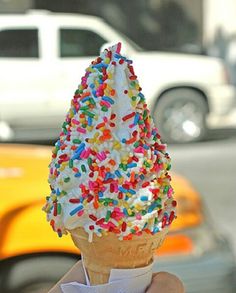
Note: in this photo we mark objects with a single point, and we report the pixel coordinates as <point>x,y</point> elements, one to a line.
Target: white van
<point>43,56</point>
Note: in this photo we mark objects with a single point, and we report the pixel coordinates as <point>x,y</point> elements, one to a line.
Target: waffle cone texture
<point>108,252</point>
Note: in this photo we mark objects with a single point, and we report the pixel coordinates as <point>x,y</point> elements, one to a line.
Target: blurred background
<point>184,54</point>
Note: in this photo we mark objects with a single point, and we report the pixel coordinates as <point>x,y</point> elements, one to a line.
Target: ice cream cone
<point>108,252</point>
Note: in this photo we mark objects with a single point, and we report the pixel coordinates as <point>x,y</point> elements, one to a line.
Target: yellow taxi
<point>33,257</point>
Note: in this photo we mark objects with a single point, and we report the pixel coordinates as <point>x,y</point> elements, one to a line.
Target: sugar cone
<point>107,252</point>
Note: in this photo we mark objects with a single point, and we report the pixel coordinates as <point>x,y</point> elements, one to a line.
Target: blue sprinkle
<point>85,99</point>
<point>115,202</point>
<point>155,152</point>
<point>100,65</point>
<point>116,55</point>
<point>141,95</point>
<point>141,176</point>
<point>92,85</point>
<point>74,211</point>
<point>144,198</point>
<point>108,99</point>
<point>122,189</point>
<point>123,140</point>
<point>117,172</point>
<point>146,147</point>
<point>156,229</point>
<point>78,175</point>
<point>100,194</point>
<point>132,191</point>
<point>136,118</point>
<point>58,192</point>
<point>77,155</point>
<point>94,92</point>
<point>131,165</point>
<point>152,207</point>
<point>90,121</point>
<point>125,211</point>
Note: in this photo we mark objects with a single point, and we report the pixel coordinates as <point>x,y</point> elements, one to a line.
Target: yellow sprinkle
<point>96,135</point>
<point>89,128</point>
<point>125,204</point>
<point>138,207</point>
<point>107,60</point>
<point>129,224</point>
<point>109,88</point>
<point>109,75</point>
<point>121,180</point>
<point>54,197</point>
<point>130,93</point>
<point>137,86</point>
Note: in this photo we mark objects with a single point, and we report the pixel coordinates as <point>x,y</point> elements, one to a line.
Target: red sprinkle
<point>93,217</point>
<point>123,227</point>
<point>128,116</point>
<point>74,200</point>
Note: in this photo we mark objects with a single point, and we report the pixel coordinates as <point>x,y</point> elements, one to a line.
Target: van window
<point>19,43</point>
<point>79,43</point>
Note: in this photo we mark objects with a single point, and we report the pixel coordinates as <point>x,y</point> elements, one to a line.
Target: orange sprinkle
<point>86,94</point>
<point>112,162</point>
<point>113,92</point>
<point>132,176</point>
<point>130,141</point>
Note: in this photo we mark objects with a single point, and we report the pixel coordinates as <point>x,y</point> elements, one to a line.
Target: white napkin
<point>120,281</point>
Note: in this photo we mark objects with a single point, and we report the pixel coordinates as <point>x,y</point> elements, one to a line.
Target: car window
<point>79,43</point>
<point>16,43</point>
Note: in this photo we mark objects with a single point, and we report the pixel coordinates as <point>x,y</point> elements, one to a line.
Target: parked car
<point>43,56</point>
<point>33,257</point>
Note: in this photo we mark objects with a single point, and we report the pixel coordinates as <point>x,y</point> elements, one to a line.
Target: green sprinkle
<point>133,98</point>
<point>90,114</point>
<point>136,144</point>
<point>91,100</point>
<point>71,163</point>
<point>58,208</point>
<point>90,161</point>
<point>76,140</point>
<point>84,108</point>
<point>168,167</point>
<point>104,108</point>
<point>147,164</point>
<point>67,179</point>
<point>108,215</point>
<point>83,168</point>
<point>132,231</point>
<point>143,212</point>
<point>166,188</point>
<point>144,114</point>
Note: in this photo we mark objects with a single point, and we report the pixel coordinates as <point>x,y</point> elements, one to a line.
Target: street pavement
<point>211,168</point>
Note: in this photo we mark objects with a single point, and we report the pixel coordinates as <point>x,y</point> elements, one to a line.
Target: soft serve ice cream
<point>109,169</point>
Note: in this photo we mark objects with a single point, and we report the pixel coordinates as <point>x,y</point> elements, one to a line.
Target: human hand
<point>165,283</point>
